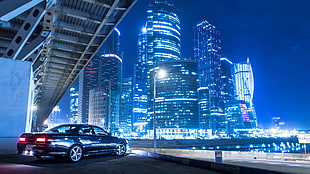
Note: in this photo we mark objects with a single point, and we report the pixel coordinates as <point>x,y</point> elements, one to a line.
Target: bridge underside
<point>59,37</point>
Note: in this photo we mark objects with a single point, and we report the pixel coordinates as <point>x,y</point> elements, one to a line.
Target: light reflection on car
<point>72,141</point>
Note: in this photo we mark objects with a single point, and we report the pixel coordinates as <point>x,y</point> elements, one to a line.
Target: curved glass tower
<point>176,95</point>
<point>163,33</point>
<point>244,87</point>
<point>159,41</point>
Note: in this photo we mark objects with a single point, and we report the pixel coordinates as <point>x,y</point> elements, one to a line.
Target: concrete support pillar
<point>15,102</point>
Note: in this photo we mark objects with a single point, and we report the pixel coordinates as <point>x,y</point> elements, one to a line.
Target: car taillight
<point>41,140</point>
<point>22,139</point>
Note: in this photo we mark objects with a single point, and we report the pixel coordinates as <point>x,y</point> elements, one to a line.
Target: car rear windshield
<point>67,129</point>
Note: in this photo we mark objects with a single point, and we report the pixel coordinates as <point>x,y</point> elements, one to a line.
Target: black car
<point>72,141</point>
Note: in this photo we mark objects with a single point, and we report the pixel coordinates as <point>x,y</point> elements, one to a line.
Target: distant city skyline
<point>271,33</point>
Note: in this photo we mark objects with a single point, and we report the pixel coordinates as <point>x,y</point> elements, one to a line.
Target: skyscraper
<point>162,31</point>
<point>55,117</point>
<point>140,88</point>
<point>244,87</point>
<point>101,78</point>
<point>158,42</point>
<point>227,89</point>
<point>175,100</point>
<point>237,116</point>
<point>74,105</point>
<point>99,107</point>
<point>125,115</point>
<point>207,54</point>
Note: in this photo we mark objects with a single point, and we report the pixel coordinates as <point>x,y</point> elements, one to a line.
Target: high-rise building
<point>140,88</point>
<point>237,116</point>
<point>106,95</point>
<point>244,87</point>
<point>162,31</point>
<point>74,105</point>
<point>158,42</point>
<point>227,90</point>
<point>125,115</point>
<point>99,108</point>
<point>207,54</point>
<point>102,78</point>
<point>55,117</point>
<point>175,97</point>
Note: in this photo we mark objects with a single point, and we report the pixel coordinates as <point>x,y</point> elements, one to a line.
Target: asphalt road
<point>129,164</point>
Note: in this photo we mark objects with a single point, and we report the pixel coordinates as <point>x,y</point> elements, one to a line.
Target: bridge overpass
<point>56,39</point>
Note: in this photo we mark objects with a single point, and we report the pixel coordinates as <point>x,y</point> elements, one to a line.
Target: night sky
<point>274,34</point>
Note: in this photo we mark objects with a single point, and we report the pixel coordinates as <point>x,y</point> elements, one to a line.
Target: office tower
<point>102,78</point>
<point>237,116</point>
<point>207,54</point>
<point>227,94</point>
<point>55,117</point>
<point>175,96</point>
<point>125,115</point>
<point>112,45</point>
<point>105,96</point>
<point>158,42</point>
<point>227,90</point>
<point>140,89</point>
<point>99,107</point>
<point>244,87</point>
<point>162,31</point>
<point>74,105</point>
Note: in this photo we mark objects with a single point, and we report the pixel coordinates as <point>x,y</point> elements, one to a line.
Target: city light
<point>34,107</point>
<point>161,73</point>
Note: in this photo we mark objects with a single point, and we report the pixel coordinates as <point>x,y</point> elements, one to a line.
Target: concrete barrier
<point>230,154</point>
<point>221,167</point>
<point>8,145</point>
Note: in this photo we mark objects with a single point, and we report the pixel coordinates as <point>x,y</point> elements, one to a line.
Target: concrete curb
<point>227,168</point>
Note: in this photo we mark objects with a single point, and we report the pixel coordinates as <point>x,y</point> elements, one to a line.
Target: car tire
<point>75,153</point>
<point>121,149</point>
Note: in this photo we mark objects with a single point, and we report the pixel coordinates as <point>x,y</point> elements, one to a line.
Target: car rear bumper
<point>39,150</point>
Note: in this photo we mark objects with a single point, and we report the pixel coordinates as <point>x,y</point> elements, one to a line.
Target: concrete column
<point>15,102</point>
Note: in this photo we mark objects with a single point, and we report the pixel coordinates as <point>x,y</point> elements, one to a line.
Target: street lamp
<point>159,74</point>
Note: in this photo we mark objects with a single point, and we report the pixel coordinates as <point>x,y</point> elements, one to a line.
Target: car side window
<point>99,131</point>
<point>86,130</point>
<point>63,129</point>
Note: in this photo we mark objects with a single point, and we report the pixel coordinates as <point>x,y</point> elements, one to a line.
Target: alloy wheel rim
<point>76,153</point>
<point>120,149</point>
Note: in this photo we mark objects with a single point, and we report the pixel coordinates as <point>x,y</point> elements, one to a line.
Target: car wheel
<point>121,149</point>
<point>75,153</point>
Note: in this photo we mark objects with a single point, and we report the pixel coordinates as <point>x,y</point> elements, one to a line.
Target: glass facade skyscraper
<point>99,108</point>
<point>158,42</point>
<point>227,91</point>
<point>207,54</point>
<point>244,87</point>
<point>74,105</point>
<point>237,116</point>
<point>140,88</point>
<point>163,33</point>
<point>99,83</point>
<point>125,115</point>
<point>176,95</point>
